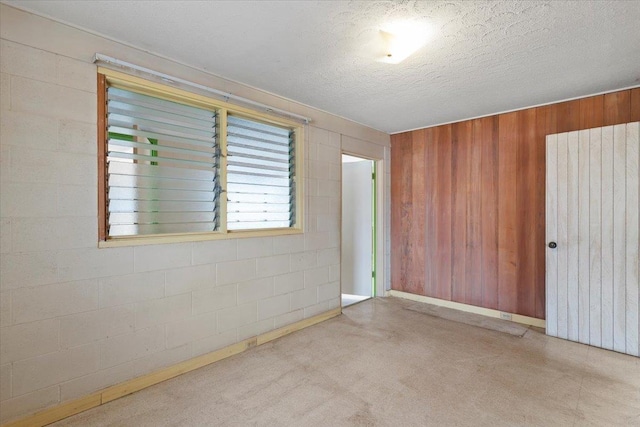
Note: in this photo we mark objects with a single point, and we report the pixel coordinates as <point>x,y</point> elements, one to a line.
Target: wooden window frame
<point>108,77</point>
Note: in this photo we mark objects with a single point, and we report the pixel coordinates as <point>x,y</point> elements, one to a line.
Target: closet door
<point>592,223</point>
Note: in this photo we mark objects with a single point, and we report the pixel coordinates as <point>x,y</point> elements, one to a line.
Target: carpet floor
<point>382,364</point>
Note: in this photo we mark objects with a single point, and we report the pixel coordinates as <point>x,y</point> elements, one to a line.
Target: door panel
<point>563,237</point>
<point>573,215</point>
<point>552,235</point>
<point>633,255</point>
<point>595,235</point>
<point>583,236</point>
<point>607,237</point>
<point>619,236</point>
<point>592,204</point>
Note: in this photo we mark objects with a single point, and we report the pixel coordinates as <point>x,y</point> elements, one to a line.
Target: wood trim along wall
<point>67,409</point>
<point>525,320</point>
<point>102,156</point>
<point>468,202</point>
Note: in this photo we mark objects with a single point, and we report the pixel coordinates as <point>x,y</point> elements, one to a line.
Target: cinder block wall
<point>75,318</point>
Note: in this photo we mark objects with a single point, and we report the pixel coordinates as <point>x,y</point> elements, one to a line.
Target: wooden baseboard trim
<point>305,323</point>
<point>57,413</point>
<point>518,318</point>
<point>119,390</point>
<point>67,409</point>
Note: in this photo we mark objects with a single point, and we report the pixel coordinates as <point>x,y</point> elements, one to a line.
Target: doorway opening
<point>358,271</point>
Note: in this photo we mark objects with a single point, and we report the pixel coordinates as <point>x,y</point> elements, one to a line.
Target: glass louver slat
<point>162,166</point>
<point>147,229</point>
<point>260,175</point>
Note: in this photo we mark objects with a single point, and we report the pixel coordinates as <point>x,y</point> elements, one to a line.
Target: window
<point>176,164</point>
<point>260,175</point>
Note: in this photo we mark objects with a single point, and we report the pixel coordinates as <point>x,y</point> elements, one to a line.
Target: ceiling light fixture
<point>403,39</point>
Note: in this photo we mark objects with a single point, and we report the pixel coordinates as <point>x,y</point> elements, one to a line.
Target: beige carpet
<point>382,365</point>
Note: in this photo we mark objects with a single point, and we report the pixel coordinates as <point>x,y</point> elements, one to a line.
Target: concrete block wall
<point>75,318</point>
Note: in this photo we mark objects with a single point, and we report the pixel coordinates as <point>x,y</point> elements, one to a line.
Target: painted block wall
<point>75,318</point>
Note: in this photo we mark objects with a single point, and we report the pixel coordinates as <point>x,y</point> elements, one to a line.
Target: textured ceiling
<point>485,57</point>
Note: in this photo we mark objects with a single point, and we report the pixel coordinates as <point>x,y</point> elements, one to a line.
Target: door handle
<point>553,245</point>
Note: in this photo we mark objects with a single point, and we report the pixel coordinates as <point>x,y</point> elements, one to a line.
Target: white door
<point>592,224</point>
<point>357,231</point>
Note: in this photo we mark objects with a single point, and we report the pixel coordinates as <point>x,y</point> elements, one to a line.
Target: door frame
<point>377,219</point>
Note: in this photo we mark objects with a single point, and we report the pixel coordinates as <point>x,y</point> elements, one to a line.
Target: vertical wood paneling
<point>573,213</point>
<point>633,238</point>
<point>461,140</point>
<point>527,206</point>
<point>473,287</point>
<point>430,185</point>
<point>592,112</point>
<point>444,204</point>
<point>595,237</point>
<point>561,184</point>
<point>417,266</point>
<point>489,206</point>
<point>468,211</point>
<point>617,108</point>
<point>507,219</point>
<point>619,236</point>
<point>546,124</point>
<point>634,115</point>
<point>568,116</point>
<point>607,237</point>
<point>552,235</point>
<point>584,260</point>
<point>401,241</point>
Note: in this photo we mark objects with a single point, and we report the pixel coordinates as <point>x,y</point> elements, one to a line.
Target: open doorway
<point>358,271</point>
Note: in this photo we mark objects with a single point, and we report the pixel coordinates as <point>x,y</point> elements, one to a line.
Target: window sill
<point>118,242</point>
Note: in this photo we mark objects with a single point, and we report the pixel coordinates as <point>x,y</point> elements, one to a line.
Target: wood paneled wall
<point>468,202</point>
